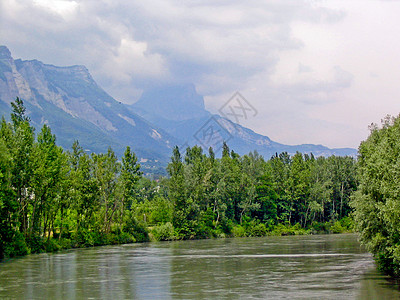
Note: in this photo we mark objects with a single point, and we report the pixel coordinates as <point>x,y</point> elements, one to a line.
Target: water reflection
<point>299,267</point>
<point>374,285</point>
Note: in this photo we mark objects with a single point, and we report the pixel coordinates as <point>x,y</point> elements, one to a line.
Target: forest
<point>53,199</point>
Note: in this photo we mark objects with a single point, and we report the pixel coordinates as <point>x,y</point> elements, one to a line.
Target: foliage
<point>377,201</point>
<point>164,232</point>
<point>53,199</point>
<point>286,229</point>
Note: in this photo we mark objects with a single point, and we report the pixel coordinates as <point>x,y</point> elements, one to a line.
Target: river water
<point>290,267</point>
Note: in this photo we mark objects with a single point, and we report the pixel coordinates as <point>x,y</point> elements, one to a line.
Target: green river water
<point>290,267</point>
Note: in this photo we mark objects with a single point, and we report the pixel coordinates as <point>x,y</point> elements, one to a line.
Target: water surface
<point>295,267</point>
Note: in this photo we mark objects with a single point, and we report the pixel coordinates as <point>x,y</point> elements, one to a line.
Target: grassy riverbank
<point>166,232</point>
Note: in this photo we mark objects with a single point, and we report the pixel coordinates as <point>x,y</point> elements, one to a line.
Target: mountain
<point>180,111</point>
<point>76,108</point>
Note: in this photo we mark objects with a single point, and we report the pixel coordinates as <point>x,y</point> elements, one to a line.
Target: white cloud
<point>130,59</point>
<point>61,7</point>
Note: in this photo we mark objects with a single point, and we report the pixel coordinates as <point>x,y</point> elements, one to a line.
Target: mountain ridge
<point>241,139</point>
<point>77,108</point>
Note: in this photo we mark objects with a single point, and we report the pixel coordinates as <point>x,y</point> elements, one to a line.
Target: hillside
<point>75,107</point>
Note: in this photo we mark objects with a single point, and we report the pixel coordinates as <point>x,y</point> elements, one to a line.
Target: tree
<point>320,190</point>
<point>130,175</point>
<point>21,145</point>
<point>47,174</point>
<point>106,170</point>
<point>178,195</point>
<point>377,201</point>
<point>18,115</point>
<point>84,191</point>
<point>266,197</point>
<point>11,241</point>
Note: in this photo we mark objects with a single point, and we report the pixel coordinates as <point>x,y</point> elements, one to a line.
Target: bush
<point>84,238</point>
<point>52,245</point>
<point>239,231</point>
<point>347,223</point>
<point>65,243</point>
<point>162,211</point>
<point>136,229</point>
<point>164,232</point>
<point>226,225</point>
<point>320,227</point>
<point>337,227</point>
<point>36,244</point>
<point>282,229</point>
<point>258,230</point>
<point>17,247</point>
<point>125,238</point>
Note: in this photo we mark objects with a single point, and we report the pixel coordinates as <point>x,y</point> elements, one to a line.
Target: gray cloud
<point>277,52</point>
<point>137,41</point>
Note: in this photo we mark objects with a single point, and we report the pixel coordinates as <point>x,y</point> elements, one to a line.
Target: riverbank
<point>166,232</point>
<point>253,228</point>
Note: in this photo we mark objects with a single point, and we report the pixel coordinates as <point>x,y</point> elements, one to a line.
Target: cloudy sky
<point>316,71</point>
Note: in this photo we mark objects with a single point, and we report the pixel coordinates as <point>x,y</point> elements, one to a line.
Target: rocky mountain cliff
<point>75,107</point>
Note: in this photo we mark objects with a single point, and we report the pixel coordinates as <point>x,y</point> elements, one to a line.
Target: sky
<point>316,72</point>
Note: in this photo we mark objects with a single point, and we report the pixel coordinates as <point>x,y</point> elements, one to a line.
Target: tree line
<point>251,196</point>
<point>52,198</point>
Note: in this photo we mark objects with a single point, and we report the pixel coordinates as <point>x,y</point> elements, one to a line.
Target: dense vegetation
<point>376,202</point>
<point>52,199</point>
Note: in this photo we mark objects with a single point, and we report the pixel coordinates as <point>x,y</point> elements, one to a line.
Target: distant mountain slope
<point>75,107</point>
<point>180,111</point>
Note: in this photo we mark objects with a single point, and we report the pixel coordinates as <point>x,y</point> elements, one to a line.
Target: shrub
<point>164,232</point>
<point>136,229</point>
<point>239,231</point>
<point>258,230</point>
<point>347,223</point>
<point>282,229</point>
<point>17,247</point>
<point>125,238</point>
<point>337,227</point>
<point>52,245</point>
<point>226,225</point>
<point>36,244</point>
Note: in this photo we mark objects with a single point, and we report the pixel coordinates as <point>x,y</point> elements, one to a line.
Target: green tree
<point>267,199</point>
<point>48,172</point>
<point>182,215</point>
<point>106,171</point>
<point>377,201</point>
<point>12,243</point>
<point>84,192</point>
<point>130,175</point>
<point>21,145</point>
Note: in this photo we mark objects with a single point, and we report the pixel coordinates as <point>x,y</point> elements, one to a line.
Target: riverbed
<point>289,267</point>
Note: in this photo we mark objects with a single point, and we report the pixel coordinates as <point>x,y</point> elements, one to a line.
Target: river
<point>290,267</point>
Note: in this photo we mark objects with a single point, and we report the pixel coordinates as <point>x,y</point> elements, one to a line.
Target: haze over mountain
<point>180,111</point>
<point>76,108</point>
